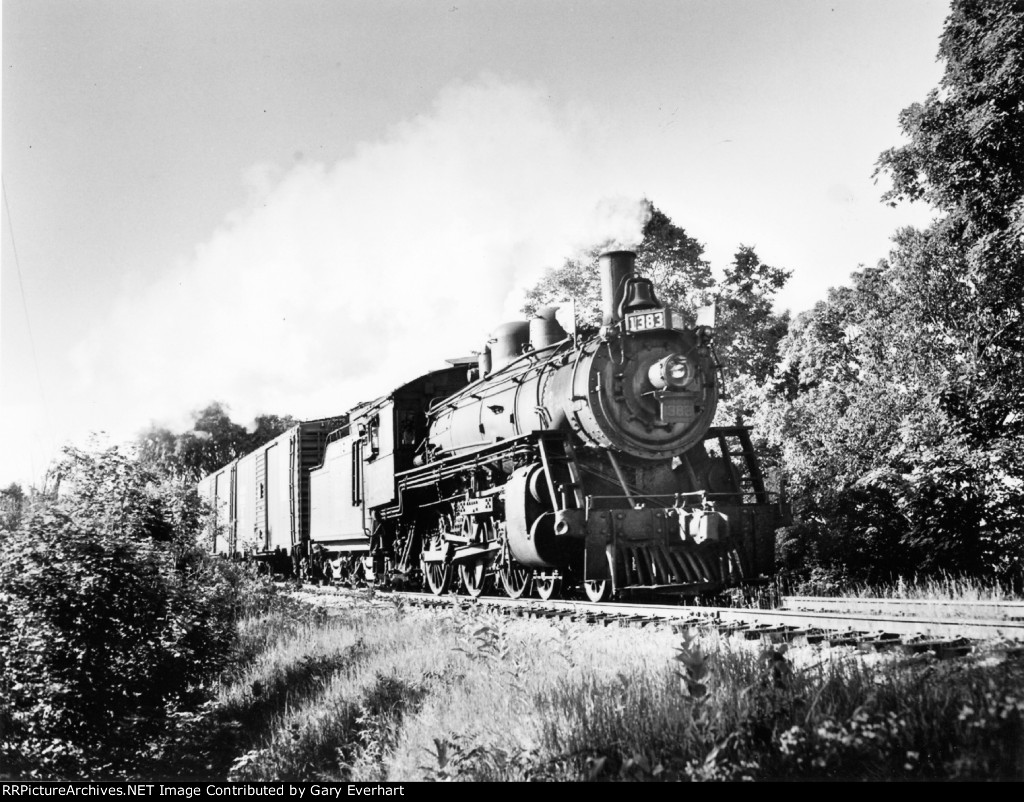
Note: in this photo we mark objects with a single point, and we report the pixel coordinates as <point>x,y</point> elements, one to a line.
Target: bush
<point>110,616</point>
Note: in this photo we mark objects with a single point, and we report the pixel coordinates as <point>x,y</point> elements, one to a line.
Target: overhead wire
<point>24,306</point>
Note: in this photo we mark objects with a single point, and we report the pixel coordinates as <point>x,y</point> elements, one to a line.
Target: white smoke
<point>617,224</point>
<point>337,282</point>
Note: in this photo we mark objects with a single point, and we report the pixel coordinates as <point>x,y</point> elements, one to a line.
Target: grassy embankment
<point>378,692</point>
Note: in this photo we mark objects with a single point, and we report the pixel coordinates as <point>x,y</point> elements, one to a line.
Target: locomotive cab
<point>353,488</point>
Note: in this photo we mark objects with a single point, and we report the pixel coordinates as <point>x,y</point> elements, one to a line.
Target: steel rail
<point>774,623</point>
<point>996,609</point>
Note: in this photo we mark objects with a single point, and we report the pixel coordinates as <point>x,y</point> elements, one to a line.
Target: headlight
<point>673,372</point>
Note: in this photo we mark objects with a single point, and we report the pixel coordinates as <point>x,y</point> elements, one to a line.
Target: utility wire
<point>24,306</point>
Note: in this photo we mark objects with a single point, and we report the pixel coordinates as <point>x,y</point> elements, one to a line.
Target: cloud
<point>337,282</point>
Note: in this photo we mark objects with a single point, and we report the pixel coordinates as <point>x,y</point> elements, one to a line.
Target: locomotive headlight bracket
<point>673,372</point>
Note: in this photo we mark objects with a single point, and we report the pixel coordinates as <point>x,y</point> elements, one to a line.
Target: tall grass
<point>942,587</point>
<point>389,693</point>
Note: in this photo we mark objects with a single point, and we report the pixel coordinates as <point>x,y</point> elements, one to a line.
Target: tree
<point>748,330</point>
<point>213,441</point>
<point>898,404</point>
<point>265,429</point>
<point>12,501</point>
<point>667,255</point>
<point>965,156</point>
<point>851,409</point>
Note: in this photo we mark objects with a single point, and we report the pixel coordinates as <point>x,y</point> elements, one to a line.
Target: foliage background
<point>893,411</point>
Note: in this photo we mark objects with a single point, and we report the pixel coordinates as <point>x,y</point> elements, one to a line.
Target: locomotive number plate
<point>676,411</point>
<point>645,321</point>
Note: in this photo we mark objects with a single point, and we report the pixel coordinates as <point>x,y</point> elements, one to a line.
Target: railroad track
<point>989,609</point>
<point>836,622</point>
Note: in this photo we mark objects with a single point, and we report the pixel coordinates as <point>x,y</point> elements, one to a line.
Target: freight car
<point>554,462</point>
<point>260,502</point>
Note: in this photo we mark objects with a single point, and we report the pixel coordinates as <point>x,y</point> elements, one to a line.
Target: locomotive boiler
<point>558,463</point>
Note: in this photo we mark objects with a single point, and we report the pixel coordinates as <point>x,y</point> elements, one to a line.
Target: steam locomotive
<point>553,463</point>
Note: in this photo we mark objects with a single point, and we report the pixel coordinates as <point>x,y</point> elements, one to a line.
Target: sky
<point>292,206</point>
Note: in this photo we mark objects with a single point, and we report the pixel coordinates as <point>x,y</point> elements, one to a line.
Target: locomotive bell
<point>638,294</point>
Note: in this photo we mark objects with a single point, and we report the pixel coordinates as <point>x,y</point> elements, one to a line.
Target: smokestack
<point>616,267</point>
